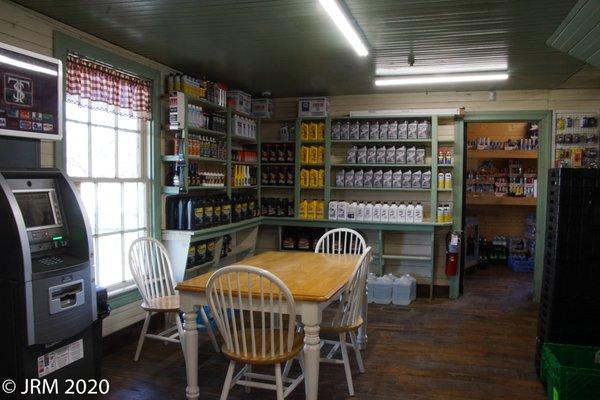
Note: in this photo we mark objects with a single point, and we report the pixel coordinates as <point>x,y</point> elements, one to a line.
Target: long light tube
<point>440,69</point>
<point>340,19</point>
<point>22,64</point>
<point>454,78</point>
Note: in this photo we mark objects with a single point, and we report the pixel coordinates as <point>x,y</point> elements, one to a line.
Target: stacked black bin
<point>570,298</point>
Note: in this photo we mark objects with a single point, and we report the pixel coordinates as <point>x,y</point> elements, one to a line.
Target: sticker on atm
<point>60,358</point>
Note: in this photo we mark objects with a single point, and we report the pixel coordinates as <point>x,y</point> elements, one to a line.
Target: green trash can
<point>571,372</point>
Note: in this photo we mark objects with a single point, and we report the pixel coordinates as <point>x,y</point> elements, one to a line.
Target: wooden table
<point>315,280</point>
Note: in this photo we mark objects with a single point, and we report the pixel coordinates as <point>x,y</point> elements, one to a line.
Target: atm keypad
<point>49,261</point>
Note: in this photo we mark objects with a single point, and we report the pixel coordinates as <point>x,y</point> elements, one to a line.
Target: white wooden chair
<point>347,320</point>
<point>249,326</point>
<point>341,241</point>
<point>153,275</point>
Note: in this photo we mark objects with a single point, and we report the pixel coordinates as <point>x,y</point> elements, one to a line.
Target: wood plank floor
<point>478,347</point>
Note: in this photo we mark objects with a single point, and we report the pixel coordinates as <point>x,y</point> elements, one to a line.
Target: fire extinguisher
<point>453,247</point>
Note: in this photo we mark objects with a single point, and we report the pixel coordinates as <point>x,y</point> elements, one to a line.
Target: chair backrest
<point>351,301</point>
<point>151,268</point>
<point>241,313</point>
<point>341,241</point>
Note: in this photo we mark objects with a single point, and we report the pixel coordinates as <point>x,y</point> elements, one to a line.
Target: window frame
<point>64,44</point>
<point>144,177</point>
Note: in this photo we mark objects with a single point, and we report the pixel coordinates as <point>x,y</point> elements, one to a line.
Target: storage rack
<point>249,227</point>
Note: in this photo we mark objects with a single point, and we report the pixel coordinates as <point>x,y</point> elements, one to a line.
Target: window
<point>107,158</point>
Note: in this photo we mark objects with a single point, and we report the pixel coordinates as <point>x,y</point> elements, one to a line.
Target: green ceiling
<point>290,47</point>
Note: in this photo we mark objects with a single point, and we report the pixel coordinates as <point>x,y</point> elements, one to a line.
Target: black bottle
<point>198,213</point>
<point>217,211</point>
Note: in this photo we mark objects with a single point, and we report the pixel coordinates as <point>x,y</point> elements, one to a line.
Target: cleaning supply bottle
<point>360,212</point>
<point>332,212</point>
<point>377,212</point>
<point>393,214</point>
<point>385,212</point>
<point>369,212</point>
<point>342,210</point>
<point>418,213</point>
<point>351,216</point>
<point>402,213</point>
<point>410,213</point>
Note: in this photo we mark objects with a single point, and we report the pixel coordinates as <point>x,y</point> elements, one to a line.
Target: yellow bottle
<point>312,131</point>
<point>321,131</point>
<point>320,209</point>
<point>313,178</point>
<point>321,180</point>
<point>313,155</point>
<point>303,209</point>
<point>304,156</point>
<point>320,154</point>
<point>304,178</point>
<point>304,131</point>
<point>311,212</point>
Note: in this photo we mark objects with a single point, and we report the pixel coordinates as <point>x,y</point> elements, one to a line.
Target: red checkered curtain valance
<point>105,88</point>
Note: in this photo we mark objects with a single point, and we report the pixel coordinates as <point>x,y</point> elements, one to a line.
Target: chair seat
<point>297,345</point>
<point>327,327</point>
<point>165,304</point>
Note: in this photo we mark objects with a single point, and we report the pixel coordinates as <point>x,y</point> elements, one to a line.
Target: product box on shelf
<point>262,108</point>
<point>176,110</point>
<point>239,101</point>
<point>313,107</point>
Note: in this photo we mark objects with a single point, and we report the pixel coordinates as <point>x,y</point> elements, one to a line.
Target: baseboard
<point>122,317</point>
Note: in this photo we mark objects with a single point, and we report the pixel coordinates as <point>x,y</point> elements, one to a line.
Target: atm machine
<point>47,288</point>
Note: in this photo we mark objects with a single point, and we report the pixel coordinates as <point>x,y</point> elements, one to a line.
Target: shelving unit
<point>501,200</point>
<point>487,154</point>
<point>268,134</point>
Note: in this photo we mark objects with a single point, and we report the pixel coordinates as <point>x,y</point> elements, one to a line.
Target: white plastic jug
<point>401,293</point>
<point>370,280</point>
<point>413,286</point>
<point>382,290</point>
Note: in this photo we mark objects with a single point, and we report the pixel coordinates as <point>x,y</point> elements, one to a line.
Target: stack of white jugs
<point>390,289</point>
<point>354,211</point>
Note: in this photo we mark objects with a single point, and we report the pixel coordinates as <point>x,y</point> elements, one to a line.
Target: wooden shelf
<point>532,154</point>
<point>384,165</point>
<point>275,164</point>
<point>244,187</point>
<point>243,139</point>
<point>367,141</point>
<point>206,131</point>
<point>199,101</point>
<point>382,189</point>
<point>207,159</point>
<point>500,200</point>
<point>255,163</point>
<point>277,186</point>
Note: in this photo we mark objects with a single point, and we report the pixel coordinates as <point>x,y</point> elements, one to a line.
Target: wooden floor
<point>478,347</point>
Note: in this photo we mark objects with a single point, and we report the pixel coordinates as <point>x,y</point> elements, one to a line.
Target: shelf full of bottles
<point>209,162</point>
<point>344,160</point>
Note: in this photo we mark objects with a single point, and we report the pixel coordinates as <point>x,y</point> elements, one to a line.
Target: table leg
<point>312,354</point>
<point>362,330</point>
<point>192,391</point>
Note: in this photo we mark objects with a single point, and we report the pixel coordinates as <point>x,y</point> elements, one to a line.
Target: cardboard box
<point>262,108</point>
<point>313,107</point>
<point>239,101</point>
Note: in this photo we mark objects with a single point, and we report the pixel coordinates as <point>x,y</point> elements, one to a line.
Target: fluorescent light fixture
<point>440,69</point>
<point>26,65</point>
<point>345,26</point>
<point>422,80</point>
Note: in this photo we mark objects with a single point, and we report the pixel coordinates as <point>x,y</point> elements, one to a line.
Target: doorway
<point>503,208</point>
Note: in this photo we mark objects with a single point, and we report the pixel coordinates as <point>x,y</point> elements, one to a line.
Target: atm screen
<point>36,208</point>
